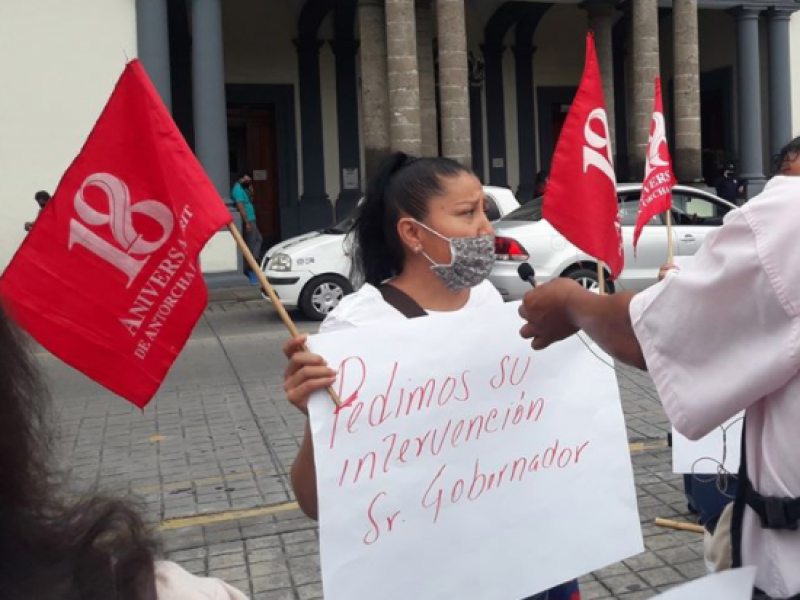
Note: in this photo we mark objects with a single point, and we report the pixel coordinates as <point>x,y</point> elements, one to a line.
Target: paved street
<point>209,460</point>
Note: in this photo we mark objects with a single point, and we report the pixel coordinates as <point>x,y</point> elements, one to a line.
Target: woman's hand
<point>306,373</point>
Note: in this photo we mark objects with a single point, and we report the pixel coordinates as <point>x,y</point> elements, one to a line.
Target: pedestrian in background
<point>728,187</point>
<point>541,183</point>
<point>242,195</point>
<point>42,198</point>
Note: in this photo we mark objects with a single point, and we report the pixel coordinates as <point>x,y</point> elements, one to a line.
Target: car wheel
<point>588,280</point>
<point>322,294</point>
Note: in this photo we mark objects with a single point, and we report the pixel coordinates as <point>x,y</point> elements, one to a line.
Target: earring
<point>417,249</point>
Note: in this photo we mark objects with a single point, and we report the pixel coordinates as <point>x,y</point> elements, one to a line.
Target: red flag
<point>581,196</point>
<point>108,279</point>
<point>658,177</point>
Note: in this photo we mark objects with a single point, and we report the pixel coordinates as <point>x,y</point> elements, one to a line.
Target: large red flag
<point>108,279</point>
<point>658,177</point>
<point>581,196</point>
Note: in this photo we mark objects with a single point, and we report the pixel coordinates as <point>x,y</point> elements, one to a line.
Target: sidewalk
<point>210,457</point>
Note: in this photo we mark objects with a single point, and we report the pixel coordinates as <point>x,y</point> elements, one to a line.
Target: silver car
<point>523,236</point>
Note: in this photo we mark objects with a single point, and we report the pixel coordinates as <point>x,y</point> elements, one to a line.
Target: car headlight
<point>280,262</point>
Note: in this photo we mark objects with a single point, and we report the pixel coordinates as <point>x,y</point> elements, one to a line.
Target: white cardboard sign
<point>465,465</point>
<point>733,584</point>
<point>720,448</point>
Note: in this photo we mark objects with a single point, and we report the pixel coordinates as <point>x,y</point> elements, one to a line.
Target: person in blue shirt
<point>241,194</point>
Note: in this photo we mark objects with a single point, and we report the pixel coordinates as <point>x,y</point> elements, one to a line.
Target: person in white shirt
<point>422,245</point>
<point>720,336</point>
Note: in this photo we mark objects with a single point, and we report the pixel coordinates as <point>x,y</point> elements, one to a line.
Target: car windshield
<point>343,226</point>
<point>530,211</point>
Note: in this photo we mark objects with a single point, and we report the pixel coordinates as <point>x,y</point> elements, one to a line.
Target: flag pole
<point>669,237</point>
<point>276,302</point>
<point>601,277</point>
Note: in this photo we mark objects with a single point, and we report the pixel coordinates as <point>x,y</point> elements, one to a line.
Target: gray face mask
<point>471,261</point>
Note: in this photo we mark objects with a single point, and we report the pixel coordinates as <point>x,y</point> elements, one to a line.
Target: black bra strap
<point>401,301</point>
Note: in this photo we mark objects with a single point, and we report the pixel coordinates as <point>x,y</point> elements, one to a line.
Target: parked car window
<point>697,210</point>
<point>491,209</point>
<point>629,210</point>
<point>530,211</point>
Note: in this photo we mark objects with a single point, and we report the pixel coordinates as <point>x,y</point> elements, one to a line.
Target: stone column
<point>629,121</point>
<point>780,79</point>
<point>315,207</point>
<point>619,35</point>
<point>601,22</point>
<point>401,58</point>
<point>374,83</point>
<point>152,40</point>
<point>688,144</point>
<point>645,71</point>
<point>310,93</point>
<point>476,79</point>
<point>427,79</point>
<point>495,113</point>
<point>208,89</point>
<point>345,51</point>
<point>526,122</point>
<point>454,80</point>
<point>751,149</point>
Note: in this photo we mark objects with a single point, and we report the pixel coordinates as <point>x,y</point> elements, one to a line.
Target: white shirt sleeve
<point>715,336</point>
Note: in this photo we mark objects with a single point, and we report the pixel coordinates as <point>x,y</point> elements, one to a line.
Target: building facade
<point>309,95</point>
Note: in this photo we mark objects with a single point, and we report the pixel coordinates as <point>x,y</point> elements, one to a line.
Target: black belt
<point>774,512</point>
<point>759,595</point>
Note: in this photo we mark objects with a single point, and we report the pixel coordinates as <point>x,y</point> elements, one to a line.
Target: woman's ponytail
<point>376,257</point>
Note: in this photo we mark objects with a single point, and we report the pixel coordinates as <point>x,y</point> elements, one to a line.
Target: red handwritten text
<point>441,493</point>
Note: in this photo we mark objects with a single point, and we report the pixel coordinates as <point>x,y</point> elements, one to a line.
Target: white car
<point>311,271</point>
<point>523,236</point>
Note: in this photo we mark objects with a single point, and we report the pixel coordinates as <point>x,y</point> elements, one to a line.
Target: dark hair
<point>41,196</point>
<point>51,547</point>
<point>403,186</point>
<point>243,174</point>
<point>789,153</point>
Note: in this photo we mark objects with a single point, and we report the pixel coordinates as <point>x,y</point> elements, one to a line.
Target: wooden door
<point>261,160</point>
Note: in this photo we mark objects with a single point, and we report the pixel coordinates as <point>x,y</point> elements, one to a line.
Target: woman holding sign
<point>423,245</point>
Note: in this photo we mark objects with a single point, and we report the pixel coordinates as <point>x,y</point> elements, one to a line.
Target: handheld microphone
<point>526,273</point>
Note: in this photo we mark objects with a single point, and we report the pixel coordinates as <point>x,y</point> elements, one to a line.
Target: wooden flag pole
<point>679,525</point>
<point>601,277</point>
<point>669,238</point>
<point>276,302</point>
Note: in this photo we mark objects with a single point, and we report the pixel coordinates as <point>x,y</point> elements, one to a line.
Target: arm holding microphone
<point>561,308</point>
